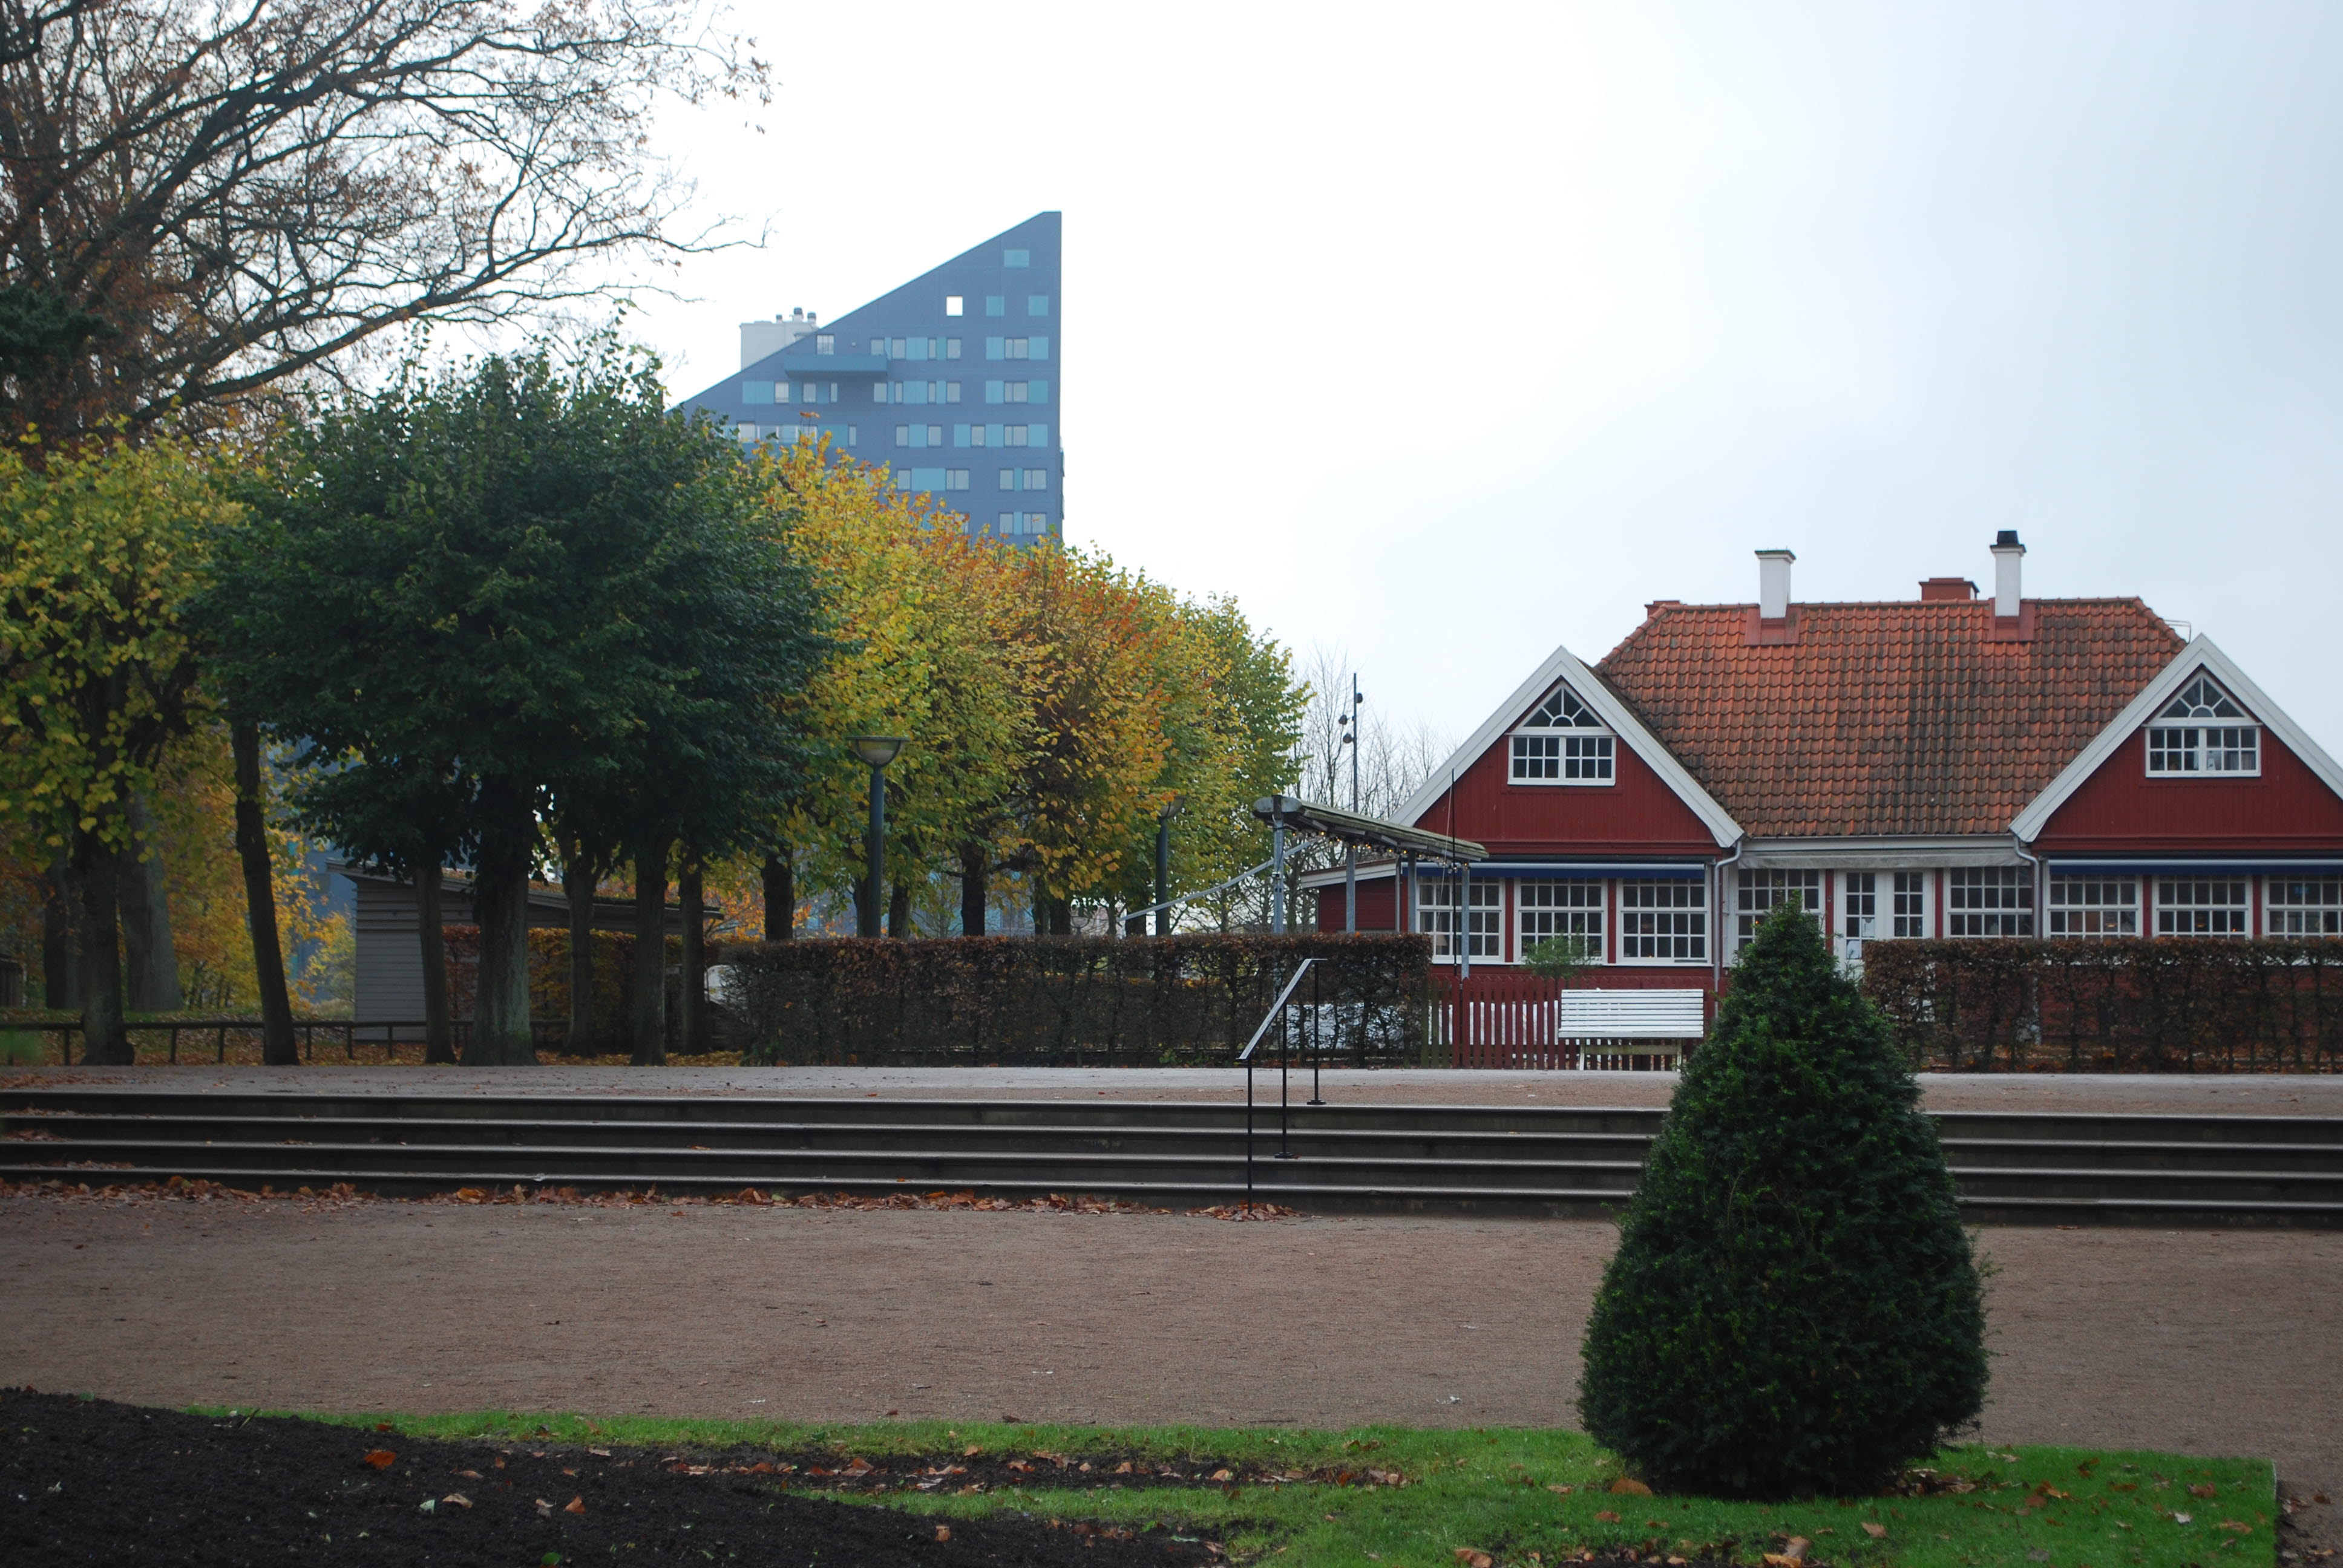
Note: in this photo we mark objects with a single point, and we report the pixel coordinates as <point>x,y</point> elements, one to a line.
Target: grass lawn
<point>1519,1496</point>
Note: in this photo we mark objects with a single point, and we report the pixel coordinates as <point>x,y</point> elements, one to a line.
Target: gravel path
<point>2217,1342</point>
<point>2263,1095</point>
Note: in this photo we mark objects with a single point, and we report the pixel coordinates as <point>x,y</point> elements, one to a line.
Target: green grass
<point>1489,1490</point>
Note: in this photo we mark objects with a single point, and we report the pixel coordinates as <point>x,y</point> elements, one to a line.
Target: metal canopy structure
<point>1284,814</point>
<point>1368,832</point>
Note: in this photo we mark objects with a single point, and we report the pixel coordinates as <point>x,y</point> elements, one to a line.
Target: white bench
<point>1666,1017</point>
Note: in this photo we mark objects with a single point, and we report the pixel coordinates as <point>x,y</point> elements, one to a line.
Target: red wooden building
<point>1953,765</point>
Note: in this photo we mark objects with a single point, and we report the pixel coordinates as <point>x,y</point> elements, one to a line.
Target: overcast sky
<point>1446,334</point>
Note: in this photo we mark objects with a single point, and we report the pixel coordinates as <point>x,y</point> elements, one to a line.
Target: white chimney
<point>759,339</point>
<point>2008,556</point>
<point>1774,583</point>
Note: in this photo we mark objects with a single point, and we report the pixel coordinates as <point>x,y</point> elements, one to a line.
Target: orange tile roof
<point>1884,718</point>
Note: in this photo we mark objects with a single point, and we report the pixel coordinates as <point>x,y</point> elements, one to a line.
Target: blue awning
<point>1588,870</point>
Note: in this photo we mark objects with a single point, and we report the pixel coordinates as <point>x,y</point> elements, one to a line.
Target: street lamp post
<point>877,751</point>
<point>1350,721</point>
<point>1171,808</point>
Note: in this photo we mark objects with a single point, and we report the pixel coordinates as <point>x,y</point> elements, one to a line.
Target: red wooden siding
<point>1636,813</point>
<point>2120,809</point>
<point>1374,906</point>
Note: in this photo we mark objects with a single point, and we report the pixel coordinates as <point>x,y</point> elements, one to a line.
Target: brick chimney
<point>1946,590</point>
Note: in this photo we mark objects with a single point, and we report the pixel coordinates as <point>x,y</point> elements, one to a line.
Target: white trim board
<point>1561,664</point>
<point>2201,654</point>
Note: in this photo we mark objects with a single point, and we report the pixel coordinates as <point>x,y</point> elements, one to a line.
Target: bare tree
<point>1393,760</point>
<point>201,198</point>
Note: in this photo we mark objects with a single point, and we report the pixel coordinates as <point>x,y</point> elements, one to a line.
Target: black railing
<point>1279,1013</point>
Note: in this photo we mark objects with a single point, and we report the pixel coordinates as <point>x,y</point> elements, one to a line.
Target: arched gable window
<point>1563,742</point>
<point>2203,730</point>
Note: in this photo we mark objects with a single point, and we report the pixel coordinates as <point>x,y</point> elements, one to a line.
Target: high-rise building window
<point>1018,391</point>
<point>1037,305</point>
<point>1016,258</point>
<point>1037,478</point>
<point>996,305</point>
<point>955,479</point>
<point>951,348</point>
<point>1014,434</point>
<point>952,304</point>
<point>1036,522</point>
<point>878,391</point>
<point>823,342</point>
<point>911,391</point>
<point>1008,479</point>
<point>756,391</point>
<point>1006,525</point>
<point>1019,347</point>
<point>902,435</point>
<point>851,432</point>
<point>951,391</point>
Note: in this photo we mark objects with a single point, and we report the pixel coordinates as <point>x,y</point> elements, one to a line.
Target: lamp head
<point>1173,808</point>
<point>877,749</point>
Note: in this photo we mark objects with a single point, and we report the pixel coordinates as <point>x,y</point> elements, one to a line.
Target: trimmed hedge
<point>1793,1307</point>
<point>2202,1005</point>
<point>1071,1001</point>
<point>548,979</point>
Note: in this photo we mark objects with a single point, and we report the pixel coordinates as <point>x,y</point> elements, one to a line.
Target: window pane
<point>1989,901</point>
<point>1435,913</point>
<point>953,302</point>
<point>1666,921</point>
<point>1008,479</point>
<point>2300,909</point>
<point>1037,478</point>
<point>2201,906</point>
<point>1572,910</point>
<point>2094,907</point>
<point>1758,892</point>
<point>1911,904</point>
<point>1037,305</point>
<point>951,348</point>
<point>951,391</point>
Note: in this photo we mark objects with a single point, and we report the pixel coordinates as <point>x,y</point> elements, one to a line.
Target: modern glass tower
<point>951,380</point>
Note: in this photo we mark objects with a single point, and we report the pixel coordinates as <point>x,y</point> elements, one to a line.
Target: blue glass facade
<point>952,381</point>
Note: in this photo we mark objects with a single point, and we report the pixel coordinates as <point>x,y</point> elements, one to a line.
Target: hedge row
<point>613,1013</point>
<point>2128,1006</point>
<point>1070,1001</point>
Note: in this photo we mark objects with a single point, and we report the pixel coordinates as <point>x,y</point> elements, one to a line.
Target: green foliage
<point>1559,959</point>
<point>20,1048</point>
<point>1793,1307</point>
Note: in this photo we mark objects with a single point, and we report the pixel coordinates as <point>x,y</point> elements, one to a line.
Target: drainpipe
<point>1716,955</point>
<point>2040,913</point>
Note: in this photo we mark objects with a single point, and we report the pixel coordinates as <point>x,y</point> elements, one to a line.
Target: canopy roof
<point>1374,832</point>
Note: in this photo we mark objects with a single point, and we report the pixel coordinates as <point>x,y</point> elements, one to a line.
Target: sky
<point>1442,337</point>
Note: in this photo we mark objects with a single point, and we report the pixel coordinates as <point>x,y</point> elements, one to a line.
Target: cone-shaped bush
<point>1793,1307</point>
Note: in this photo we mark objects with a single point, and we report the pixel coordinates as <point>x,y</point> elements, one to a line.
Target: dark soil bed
<point>93,1482</point>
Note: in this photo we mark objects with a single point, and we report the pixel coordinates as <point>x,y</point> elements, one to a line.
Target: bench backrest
<point>1633,1015</point>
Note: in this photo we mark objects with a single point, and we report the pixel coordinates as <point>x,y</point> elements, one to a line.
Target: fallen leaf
<point>1783,1560</point>
<point>1123,1469</point>
<point>1798,1548</point>
<point>2203,1489</point>
<point>575,1505</point>
<point>943,1532</point>
<point>2182,1518</point>
<point>428,1505</point>
<point>858,1466</point>
<point>2318,1497</point>
<point>972,1451</point>
<point>1222,1475</point>
<point>382,1426</point>
<point>1607,1516</point>
<point>381,1458</point>
<point>2233,1525</point>
<point>1876,1531</point>
<point>1472,1557</point>
<point>599,1452</point>
<point>1624,1487</point>
<point>458,1499</point>
<point>1557,1486</point>
<point>469,1474</point>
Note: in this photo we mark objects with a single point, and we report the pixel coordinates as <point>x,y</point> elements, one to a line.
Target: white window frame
<point>2215,907</point>
<point>1989,901</point>
<point>1910,912</point>
<point>1572,908</point>
<point>2092,908</point>
<point>2203,733</point>
<point>1562,733</point>
<point>1856,919</point>
<point>1758,890</point>
<point>1663,922</point>
<point>1436,917</point>
<point>2302,909</point>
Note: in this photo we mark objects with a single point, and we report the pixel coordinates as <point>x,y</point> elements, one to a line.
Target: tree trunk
<point>1061,917</point>
<point>438,1030</point>
<point>59,990</point>
<point>501,1031</point>
<point>146,947</point>
<point>277,1047</point>
<point>899,910</point>
<point>780,894</point>
<point>693,996</point>
<point>974,894</point>
<point>104,1041</point>
<point>579,877</point>
<point>650,956</point>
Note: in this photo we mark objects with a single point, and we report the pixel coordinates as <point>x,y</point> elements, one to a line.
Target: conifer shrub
<point>1794,1308</point>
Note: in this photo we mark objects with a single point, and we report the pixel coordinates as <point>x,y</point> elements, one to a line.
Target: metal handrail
<point>1275,1014</point>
